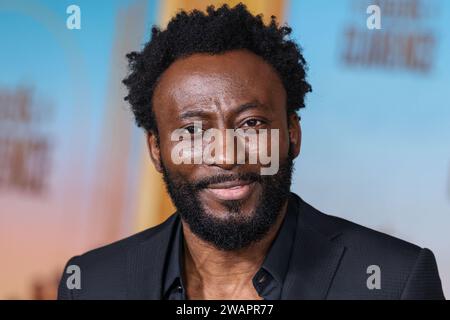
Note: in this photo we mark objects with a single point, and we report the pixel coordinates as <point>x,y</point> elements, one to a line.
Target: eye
<point>192,129</point>
<point>252,123</point>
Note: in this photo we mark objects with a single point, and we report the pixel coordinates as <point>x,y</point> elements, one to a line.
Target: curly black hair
<point>214,32</point>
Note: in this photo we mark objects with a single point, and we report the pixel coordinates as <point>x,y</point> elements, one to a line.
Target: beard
<point>236,231</point>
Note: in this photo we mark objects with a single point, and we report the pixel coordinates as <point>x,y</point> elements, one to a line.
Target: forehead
<point>229,78</point>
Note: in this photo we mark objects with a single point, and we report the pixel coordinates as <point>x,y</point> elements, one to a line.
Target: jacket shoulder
<point>353,235</point>
<point>103,270</point>
<point>406,270</point>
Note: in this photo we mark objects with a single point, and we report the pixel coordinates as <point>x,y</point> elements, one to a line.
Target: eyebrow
<point>248,106</point>
<point>194,114</point>
<point>202,113</point>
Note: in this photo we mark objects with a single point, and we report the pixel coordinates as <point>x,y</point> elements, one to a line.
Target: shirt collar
<point>278,256</point>
<point>175,263</point>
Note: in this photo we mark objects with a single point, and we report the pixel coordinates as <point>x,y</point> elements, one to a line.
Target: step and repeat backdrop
<point>75,172</point>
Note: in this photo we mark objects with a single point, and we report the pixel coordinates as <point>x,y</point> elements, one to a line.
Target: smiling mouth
<point>231,190</point>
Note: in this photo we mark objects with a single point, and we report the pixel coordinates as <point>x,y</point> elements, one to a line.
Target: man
<point>238,232</point>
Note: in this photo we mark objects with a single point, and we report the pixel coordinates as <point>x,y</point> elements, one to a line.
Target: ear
<point>295,134</point>
<point>154,150</point>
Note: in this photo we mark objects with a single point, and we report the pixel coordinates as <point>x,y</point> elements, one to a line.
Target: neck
<point>211,273</point>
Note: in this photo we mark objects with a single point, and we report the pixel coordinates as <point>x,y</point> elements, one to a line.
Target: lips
<point>231,190</point>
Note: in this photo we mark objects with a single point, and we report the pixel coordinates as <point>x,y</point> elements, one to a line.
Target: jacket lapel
<point>314,261</point>
<point>145,263</point>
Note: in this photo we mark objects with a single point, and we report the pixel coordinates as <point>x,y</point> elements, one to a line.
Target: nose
<point>222,151</point>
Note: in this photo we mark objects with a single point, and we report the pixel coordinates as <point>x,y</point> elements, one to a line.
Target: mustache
<point>246,177</point>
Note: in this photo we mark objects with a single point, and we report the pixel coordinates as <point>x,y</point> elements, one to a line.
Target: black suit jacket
<point>329,260</point>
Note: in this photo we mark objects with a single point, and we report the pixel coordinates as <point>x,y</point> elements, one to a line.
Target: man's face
<point>228,204</point>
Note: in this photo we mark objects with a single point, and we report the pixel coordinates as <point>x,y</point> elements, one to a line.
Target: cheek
<point>166,147</point>
<point>283,141</point>
<point>176,170</point>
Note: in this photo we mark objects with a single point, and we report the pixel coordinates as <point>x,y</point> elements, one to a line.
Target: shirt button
<point>262,279</point>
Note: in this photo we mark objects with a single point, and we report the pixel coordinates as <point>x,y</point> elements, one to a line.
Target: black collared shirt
<point>269,279</point>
